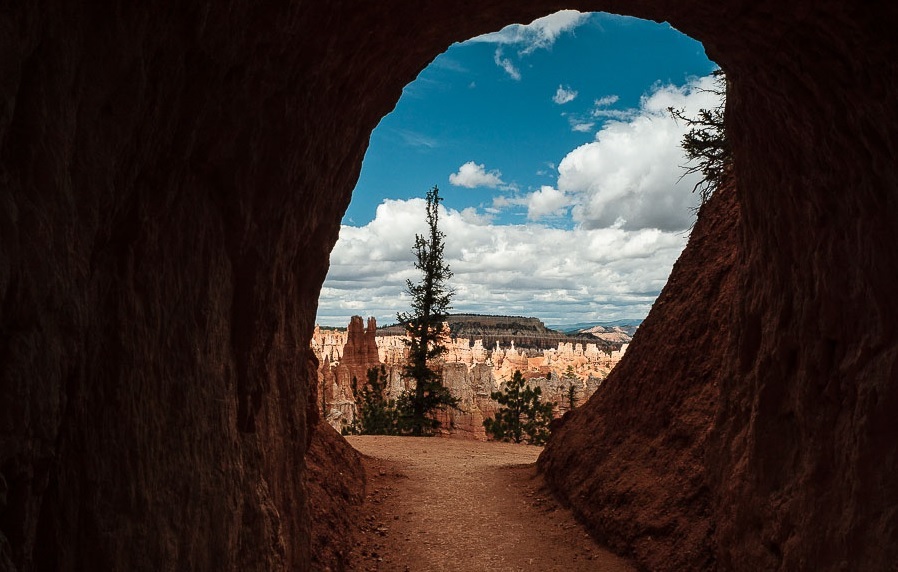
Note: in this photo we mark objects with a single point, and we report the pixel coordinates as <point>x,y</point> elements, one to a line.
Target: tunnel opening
<point>554,150</point>
<point>718,517</point>
<point>371,264</point>
<point>590,213</point>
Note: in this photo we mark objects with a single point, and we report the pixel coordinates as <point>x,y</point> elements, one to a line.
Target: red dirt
<point>444,504</point>
<point>335,482</point>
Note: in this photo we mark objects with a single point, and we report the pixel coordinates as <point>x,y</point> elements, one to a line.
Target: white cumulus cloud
<point>471,175</point>
<point>539,34</point>
<point>628,175</point>
<point>547,201</point>
<point>564,95</point>
<point>556,274</point>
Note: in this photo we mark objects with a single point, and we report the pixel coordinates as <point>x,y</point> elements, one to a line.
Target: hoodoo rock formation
<point>172,178</point>
<point>360,349</point>
<point>470,371</point>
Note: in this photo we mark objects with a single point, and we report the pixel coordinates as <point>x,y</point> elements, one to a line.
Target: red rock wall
<point>772,449</point>
<point>172,178</point>
<point>336,484</point>
<point>632,461</point>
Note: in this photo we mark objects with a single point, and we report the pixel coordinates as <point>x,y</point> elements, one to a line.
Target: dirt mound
<point>335,481</point>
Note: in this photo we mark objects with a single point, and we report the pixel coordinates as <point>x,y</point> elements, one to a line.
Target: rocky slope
<point>613,334</point>
<point>172,178</point>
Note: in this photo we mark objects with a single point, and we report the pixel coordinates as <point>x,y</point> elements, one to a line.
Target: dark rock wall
<point>335,480</point>
<point>789,466</point>
<point>159,268</point>
<point>171,181</point>
<point>803,449</point>
<point>631,461</point>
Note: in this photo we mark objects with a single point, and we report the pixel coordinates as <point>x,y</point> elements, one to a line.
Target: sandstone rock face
<point>172,176</point>
<point>342,367</point>
<point>361,346</point>
<point>470,371</point>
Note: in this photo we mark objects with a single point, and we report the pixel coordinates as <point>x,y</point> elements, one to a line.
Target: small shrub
<point>376,414</point>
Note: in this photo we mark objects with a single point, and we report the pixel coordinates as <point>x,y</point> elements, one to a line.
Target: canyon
<point>172,180</point>
<point>470,370</point>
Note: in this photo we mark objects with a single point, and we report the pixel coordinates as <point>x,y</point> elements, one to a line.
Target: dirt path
<point>437,504</point>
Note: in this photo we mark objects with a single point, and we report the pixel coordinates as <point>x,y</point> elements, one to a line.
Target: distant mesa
<point>528,332</point>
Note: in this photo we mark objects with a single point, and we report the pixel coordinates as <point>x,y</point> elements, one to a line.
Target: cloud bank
<point>512,269</point>
<point>626,215</point>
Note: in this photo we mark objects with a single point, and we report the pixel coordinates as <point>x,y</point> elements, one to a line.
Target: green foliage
<point>706,144</point>
<point>522,417</point>
<point>571,396</point>
<point>424,325</point>
<point>376,414</point>
<point>571,378</point>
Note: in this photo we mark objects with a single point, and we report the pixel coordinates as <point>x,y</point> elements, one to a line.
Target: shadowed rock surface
<point>172,178</point>
<point>336,484</point>
<point>634,457</point>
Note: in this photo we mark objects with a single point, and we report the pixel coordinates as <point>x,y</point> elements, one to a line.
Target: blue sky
<point>558,165</point>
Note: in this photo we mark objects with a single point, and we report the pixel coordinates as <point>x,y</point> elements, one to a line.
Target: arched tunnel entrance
<point>172,179</point>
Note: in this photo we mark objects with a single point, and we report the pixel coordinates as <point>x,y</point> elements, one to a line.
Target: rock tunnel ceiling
<point>172,179</point>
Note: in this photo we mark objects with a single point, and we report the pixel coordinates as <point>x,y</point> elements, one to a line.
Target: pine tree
<point>571,396</point>
<point>522,417</point>
<point>706,144</point>
<point>376,414</point>
<point>424,326</point>
<point>571,378</point>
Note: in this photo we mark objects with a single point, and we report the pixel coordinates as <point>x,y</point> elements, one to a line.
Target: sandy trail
<point>437,504</point>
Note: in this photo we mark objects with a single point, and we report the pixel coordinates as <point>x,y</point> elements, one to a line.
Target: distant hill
<point>525,332</point>
<point>617,331</point>
<point>581,326</point>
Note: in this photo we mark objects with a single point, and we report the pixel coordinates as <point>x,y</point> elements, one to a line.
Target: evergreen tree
<point>705,143</point>
<point>571,396</point>
<point>522,417</point>
<point>571,378</point>
<point>424,325</point>
<point>376,414</point>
